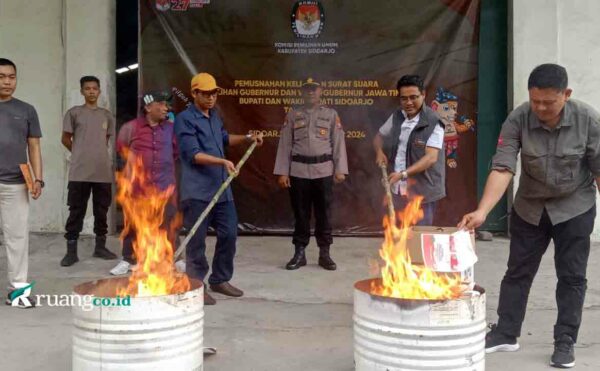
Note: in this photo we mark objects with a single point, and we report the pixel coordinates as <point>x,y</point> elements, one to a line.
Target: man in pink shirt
<point>151,137</point>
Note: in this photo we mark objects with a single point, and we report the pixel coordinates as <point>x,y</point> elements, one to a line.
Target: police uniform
<point>311,150</point>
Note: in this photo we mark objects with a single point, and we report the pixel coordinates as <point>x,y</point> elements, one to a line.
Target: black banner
<point>260,51</point>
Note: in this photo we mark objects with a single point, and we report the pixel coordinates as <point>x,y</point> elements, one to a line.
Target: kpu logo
<point>308,19</point>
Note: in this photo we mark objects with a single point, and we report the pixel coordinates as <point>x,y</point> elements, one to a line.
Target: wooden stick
<point>213,202</point>
<point>388,191</point>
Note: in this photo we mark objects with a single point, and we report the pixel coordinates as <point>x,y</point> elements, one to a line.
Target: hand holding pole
<point>213,201</point>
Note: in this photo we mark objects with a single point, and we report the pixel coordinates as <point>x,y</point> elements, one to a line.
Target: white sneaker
<point>122,268</point>
<point>180,266</point>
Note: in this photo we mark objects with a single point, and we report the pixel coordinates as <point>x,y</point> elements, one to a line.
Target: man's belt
<point>312,159</point>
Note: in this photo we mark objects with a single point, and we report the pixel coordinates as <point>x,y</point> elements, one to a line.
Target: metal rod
<point>214,200</point>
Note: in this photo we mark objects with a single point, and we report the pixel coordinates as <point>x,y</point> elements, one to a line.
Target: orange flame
<point>143,206</point>
<point>399,277</point>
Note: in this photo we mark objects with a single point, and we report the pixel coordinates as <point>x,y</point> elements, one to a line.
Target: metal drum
<point>152,333</point>
<point>401,334</point>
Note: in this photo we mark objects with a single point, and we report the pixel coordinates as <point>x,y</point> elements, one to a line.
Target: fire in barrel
<point>161,328</point>
<point>415,318</point>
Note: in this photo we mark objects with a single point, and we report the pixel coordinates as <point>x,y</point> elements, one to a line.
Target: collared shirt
<point>91,160</point>
<point>310,133</point>
<point>436,140</point>
<point>155,144</point>
<point>198,133</point>
<point>558,166</point>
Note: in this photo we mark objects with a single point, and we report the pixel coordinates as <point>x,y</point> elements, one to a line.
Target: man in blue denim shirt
<point>202,140</point>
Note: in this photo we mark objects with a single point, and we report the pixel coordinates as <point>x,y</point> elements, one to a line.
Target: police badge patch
<point>308,19</point>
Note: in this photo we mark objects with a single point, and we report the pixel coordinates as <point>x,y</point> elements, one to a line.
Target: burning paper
<point>448,252</point>
<point>399,277</point>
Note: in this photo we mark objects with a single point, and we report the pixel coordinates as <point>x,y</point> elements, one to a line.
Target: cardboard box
<point>438,247</point>
<point>423,249</point>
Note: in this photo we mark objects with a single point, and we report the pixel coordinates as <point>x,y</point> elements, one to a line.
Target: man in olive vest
<point>413,138</point>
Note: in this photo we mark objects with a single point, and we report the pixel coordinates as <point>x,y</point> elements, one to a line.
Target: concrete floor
<point>299,320</point>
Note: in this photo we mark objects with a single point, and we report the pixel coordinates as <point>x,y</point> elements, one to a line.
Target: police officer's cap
<point>310,83</point>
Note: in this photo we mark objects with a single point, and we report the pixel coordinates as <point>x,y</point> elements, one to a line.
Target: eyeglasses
<point>410,97</point>
<point>208,94</point>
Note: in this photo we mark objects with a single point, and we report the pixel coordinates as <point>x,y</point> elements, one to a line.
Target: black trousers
<point>77,199</point>
<point>169,215</point>
<point>306,195</point>
<point>528,243</point>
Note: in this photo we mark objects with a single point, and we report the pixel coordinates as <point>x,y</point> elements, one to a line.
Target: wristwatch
<point>403,175</point>
<point>42,184</point>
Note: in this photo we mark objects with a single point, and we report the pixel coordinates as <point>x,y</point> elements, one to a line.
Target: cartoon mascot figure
<point>446,106</point>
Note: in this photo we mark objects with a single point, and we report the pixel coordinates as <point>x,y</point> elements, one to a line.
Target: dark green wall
<point>492,97</point>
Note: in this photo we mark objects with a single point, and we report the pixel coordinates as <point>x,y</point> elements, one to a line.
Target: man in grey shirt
<point>86,132</point>
<point>19,137</point>
<point>559,141</point>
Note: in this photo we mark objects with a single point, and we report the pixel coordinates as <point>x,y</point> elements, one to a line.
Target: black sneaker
<point>564,354</point>
<point>496,341</point>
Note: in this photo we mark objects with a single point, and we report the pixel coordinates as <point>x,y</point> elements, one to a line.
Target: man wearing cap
<point>413,138</point>
<point>202,142</point>
<point>311,156</point>
<point>150,137</point>
<point>86,132</point>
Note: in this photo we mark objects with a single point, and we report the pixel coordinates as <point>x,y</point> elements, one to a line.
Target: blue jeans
<point>223,218</point>
<point>428,208</point>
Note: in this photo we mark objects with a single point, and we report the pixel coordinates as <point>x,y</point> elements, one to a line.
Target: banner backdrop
<point>261,50</point>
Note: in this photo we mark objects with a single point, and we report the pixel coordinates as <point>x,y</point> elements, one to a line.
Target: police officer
<point>311,156</point>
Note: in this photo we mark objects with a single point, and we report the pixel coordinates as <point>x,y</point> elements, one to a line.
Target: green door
<point>492,97</point>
